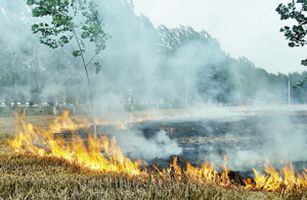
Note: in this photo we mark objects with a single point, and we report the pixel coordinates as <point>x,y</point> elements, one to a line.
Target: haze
<point>243,28</point>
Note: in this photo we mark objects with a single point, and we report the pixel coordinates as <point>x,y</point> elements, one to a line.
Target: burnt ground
<point>26,177</point>
<point>202,137</point>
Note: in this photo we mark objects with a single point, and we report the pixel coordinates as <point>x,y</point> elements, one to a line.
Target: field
<point>30,177</point>
<point>26,177</point>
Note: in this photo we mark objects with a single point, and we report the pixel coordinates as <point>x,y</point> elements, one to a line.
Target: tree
<point>297,11</point>
<point>62,21</point>
<point>173,39</point>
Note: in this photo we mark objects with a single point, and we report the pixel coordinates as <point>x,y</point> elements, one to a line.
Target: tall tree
<point>297,33</point>
<point>62,21</point>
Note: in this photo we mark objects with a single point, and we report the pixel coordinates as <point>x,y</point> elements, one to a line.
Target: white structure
<point>289,92</point>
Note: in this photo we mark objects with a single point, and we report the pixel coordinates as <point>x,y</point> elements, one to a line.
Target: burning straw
<point>102,154</point>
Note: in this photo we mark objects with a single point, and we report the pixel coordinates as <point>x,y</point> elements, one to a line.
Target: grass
<point>29,177</point>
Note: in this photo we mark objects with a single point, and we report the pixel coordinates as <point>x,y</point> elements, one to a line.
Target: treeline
<point>149,64</point>
<point>223,79</point>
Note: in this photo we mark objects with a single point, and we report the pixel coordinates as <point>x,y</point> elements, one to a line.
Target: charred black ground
<point>201,137</point>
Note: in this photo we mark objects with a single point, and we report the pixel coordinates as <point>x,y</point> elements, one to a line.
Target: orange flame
<point>64,122</point>
<point>208,174</point>
<point>102,154</point>
<point>286,180</point>
<point>99,154</point>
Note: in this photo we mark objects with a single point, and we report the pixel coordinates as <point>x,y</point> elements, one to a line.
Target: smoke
<point>281,138</point>
<point>147,67</point>
<point>271,135</point>
<point>153,66</point>
<point>136,64</point>
<point>136,146</point>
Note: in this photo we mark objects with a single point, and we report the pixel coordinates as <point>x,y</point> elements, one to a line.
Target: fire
<point>208,174</point>
<point>102,154</point>
<point>64,122</point>
<point>99,154</point>
<point>285,180</point>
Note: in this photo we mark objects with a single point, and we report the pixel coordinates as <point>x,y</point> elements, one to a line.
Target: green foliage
<point>295,10</point>
<point>98,67</point>
<point>175,38</point>
<point>61,22</point>
<point>227,80</point>
<point>64,20</point>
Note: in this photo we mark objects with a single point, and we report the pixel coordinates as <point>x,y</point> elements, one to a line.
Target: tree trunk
<point>92,106</point>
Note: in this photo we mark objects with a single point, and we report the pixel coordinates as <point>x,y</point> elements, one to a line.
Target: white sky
<point>247,28</point>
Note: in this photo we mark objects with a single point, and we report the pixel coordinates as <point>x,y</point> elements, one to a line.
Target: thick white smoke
<point>134,67</point>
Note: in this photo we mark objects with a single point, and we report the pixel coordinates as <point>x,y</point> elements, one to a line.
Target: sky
<point>246,28</point>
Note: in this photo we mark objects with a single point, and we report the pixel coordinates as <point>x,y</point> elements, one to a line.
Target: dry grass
<point>29,177</point>
<point>32,178</point>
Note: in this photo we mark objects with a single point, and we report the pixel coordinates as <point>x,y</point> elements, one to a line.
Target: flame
<point>64,122</point>
<point>102,154</point>
<point>99,154</point>
<point>208,174</point>
<point>285,180</point>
